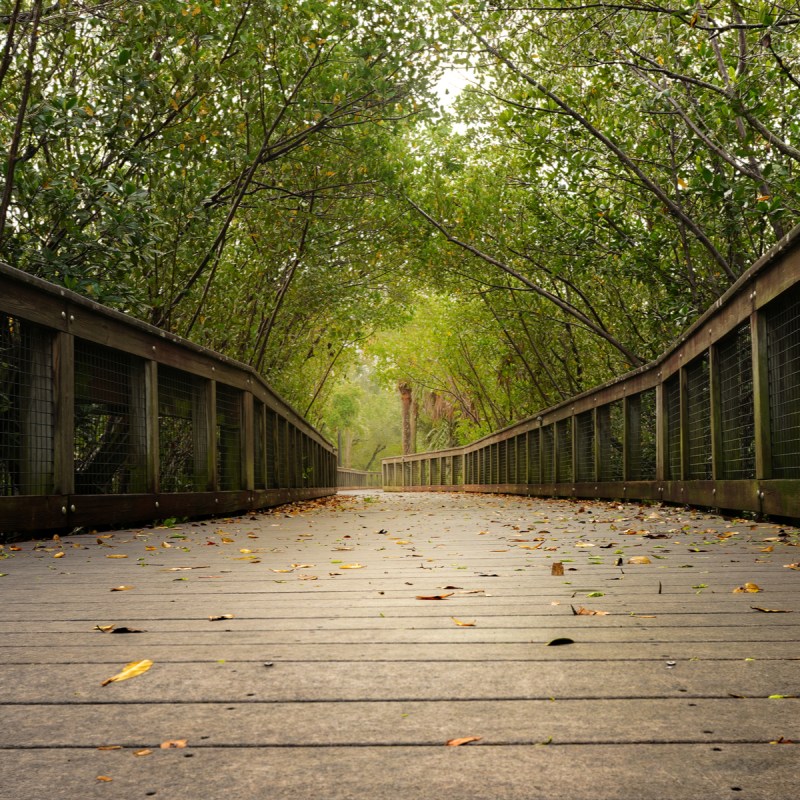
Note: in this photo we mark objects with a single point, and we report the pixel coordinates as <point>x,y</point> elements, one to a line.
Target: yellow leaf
<point>121,588</point>
<point>116,555</point>
<point>462,624</point>
<point>351,566</point>
<point>144,752</point>
<point>130,671</point>
<point>110,747</point>
<point>58,555</point>
<point>749,588</point>
<point>166,544</point>
<point>682,183</point>
<point>639,560</point>
<point>227,540</point>
<point>762,198</point>
<point>150,547</point>
<point>245,550</point>
<point>104,628</point>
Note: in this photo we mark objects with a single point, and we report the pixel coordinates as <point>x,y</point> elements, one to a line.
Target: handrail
<point>358,478</point>
<point>715,421</point>
<point>104,418</point>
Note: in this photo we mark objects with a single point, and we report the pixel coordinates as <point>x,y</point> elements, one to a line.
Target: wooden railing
<point>105,420</point>
<point>713,422</point>
<point>358,478</point>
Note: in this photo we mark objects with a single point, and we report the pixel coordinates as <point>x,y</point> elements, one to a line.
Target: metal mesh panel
<point>585,446</point>
<point>26,408</point>
<point>737,421</point>
<point>522,458</point>
<point>271,445</point>
<point>564,434</point>
<point>783,349</point>
<point>407,474</point>
<point>611,421</point>
<point>494,463</point>
<point>698,415</point>
<point>110,430</point>
<point>672,406</point>
<point>512,460</point>
<point>458,469</point>
<point>182,425</point>
<point>534,469</point>
<point>423,472</point>
<point>229,437</point>
<point>447,471</point>
<point>642,436</point>
<point>415,467</point>
<point>548,453</point>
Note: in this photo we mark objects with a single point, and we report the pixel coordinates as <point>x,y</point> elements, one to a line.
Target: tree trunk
<point>405,407</point>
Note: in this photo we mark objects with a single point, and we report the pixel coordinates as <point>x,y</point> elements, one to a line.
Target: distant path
<point>334,681</point>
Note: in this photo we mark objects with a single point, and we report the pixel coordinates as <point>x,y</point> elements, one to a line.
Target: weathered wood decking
<point>338,683</point>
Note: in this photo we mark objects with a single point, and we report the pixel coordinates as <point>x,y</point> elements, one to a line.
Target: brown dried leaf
<point>110,747</point>
<point>462,624</point>
<point>116,555</point>
<point>221,616</point>
<point>171,744</point>
<point>130,671</point>
<point>434,596</point>
<point>227,539</point>
<point>796,565</point>
<point>748,588</point>
<point>639,560</point>
<point>104,778</point>
<point>144,752</point>
<point>772,610</point>
<point>104,628</point>
<point>121,589</point>
<point>303,566</point>
<point>557,568</point>
<point>580,611</point>
<point>462,740</point>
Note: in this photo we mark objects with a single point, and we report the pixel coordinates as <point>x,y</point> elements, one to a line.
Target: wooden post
<point>152,446</point>
<point>64,417</point>
<point>758,332</point>
<point>248,447</point>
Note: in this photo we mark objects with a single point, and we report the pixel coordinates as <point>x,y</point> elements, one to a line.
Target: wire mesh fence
<point>26,408</point>
<point>783,349</point>
<point>672,423</point>
<point>698,418</point>
<point>737,417</point>
<point>564,450</point>
<point>110,445</point>
<point>584,446</point>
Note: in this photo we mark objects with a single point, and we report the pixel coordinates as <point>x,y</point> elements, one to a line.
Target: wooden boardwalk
<point>332,680</point>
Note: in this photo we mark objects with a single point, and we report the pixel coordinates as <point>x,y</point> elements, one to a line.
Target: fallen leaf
<point>171,744</point>
<point>462,740</point>
<point>58,555</point>
<point>104,628</point>
<point>351,566</point>
<point>110,747</point>
<point>221,616</point>
<point>639,560</point>
<point>462,624</point>
<point>796,565</point>
<point>150,547</point>
<point>772,610</point>
<point>166,544</point>
<point>245,550</point>
<point>303,566</point>
<point>782,740</point>
<point>121,589</point>
<point>144,752</point>
<point>749,588</point>
<point>580,611</point>
<point>104,778</point>
<point>226,539</point>
<point>595,594</point>
<point>434,596</point>
<point>557,568</point>
<point>585,544</point>
<point>116,555</point>
<point>559,641</point>
<point>130,671</point>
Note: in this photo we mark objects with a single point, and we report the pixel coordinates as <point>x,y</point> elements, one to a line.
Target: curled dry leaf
<point>434,596</point>
<point>104,778</point>
<point>557,568</point>
<point>166,544</point>
<point>110,747</point>
<point>104,628</point>
<point>130,671</point>
<point>580,611</point>
<point>171,744</point>
<point>303,566</point>
<point>219,617</point>
<point>145,752</point>
<point>748,588</point>
<point>462,624</point>
<point>58,555</point>
<point>351,566</point>
<point>639,560</point>
<point>796,565</point>
<point>462,740</point>
<point>121,589</point>
<point>772,610</point>
<point>116,555</point>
